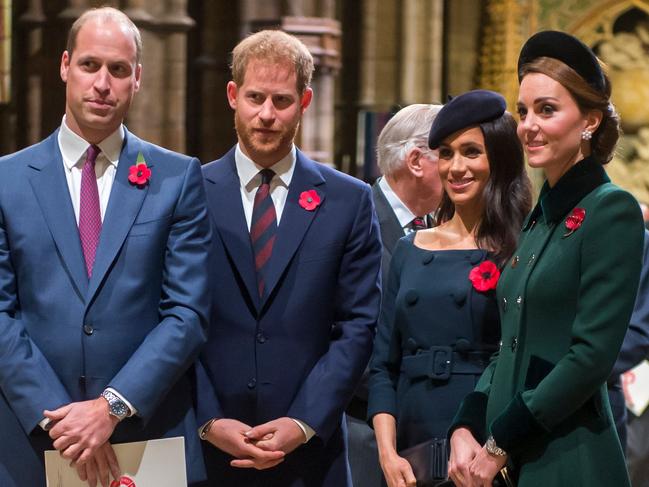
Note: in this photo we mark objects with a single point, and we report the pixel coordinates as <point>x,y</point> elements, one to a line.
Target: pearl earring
<point>586,134</point>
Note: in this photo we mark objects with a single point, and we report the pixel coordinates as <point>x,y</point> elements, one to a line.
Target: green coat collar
<point>555,203</point>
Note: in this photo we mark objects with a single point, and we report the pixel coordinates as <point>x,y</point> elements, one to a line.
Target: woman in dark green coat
<point>566,296</point>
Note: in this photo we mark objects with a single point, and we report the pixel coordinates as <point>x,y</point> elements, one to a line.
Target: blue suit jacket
<point>273,357</point>
<point>136,325</point>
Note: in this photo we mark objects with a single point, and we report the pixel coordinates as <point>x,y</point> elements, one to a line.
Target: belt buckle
<point>440,362</point>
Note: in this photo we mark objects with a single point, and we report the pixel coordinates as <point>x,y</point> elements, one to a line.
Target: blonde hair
<point>273,46</point>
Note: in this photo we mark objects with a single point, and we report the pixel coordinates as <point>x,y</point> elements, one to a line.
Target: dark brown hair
<point>507,195</point>
<point>602,144</point>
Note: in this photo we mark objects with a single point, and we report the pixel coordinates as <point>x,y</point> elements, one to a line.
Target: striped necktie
<point>263,228</point>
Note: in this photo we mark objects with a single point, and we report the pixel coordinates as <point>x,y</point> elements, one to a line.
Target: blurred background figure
<point>439,318</point>
<point>405,198</point>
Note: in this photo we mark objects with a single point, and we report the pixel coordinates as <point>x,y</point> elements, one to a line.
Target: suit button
<point>261,338</point>
<point>252,383</point>
<point>88,330</point>
<point>514,344</point>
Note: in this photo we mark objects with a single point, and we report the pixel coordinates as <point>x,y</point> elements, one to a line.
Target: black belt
<point>440,362</point>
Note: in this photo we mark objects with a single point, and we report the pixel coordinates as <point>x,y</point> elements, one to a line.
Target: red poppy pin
<point>123,481</point>
<point>309,200</point>
<point>484,276</point>
<point>139,173</point>
<point>574,221</point>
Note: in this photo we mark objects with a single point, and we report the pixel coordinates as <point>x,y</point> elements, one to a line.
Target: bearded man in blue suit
<point>297,254</point>
<point>104,300</point>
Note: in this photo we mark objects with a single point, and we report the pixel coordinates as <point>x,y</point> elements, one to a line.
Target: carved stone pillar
<point>421,51</point>
<point>158,111</point>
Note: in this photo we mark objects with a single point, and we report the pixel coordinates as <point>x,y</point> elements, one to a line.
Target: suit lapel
<point>51,190</point>
<point>391,229</point>
<point>224,201</point>
<point>123,206</point>
<point>295,220</point>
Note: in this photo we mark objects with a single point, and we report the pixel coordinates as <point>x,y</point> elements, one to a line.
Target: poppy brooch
<point>484,277</point>
<point>309,200</point>
<point>139,173</point>
<point>574,221</point>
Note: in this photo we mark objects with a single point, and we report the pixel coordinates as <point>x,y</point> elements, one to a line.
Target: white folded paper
<point>153,463</point>
<point>635,383</point>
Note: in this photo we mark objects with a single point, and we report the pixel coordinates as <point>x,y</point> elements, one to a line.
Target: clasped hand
<point>470,464</point>
<point>261,447</point>
<point>80,432</point>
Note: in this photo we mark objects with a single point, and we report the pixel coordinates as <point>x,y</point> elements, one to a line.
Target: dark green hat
<point>567,49</point>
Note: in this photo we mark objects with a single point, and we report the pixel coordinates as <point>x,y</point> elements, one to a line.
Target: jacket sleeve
<point>357,302</point>
<point>385,364</point>
<point>635,347</point>
<point>610,262</point>
<point>27,380</point>
<point>171,347</point>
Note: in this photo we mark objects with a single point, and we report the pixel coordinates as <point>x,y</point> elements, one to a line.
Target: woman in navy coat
<point>439,320</point>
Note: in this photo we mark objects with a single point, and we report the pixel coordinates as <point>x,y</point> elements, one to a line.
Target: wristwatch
<point>116,407</point>
<point>494,449</point>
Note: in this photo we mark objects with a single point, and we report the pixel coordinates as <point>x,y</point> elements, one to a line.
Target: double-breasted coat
<point>565,301</point>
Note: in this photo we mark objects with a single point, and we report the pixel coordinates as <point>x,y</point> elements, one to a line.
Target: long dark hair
<point>507,195</point>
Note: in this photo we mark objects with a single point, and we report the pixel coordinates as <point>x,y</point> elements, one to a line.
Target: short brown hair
<point>587,98</point>
<point>273,46</point>
<point>105,14</point>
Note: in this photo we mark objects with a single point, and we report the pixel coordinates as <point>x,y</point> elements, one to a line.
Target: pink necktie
<point>89,212</point>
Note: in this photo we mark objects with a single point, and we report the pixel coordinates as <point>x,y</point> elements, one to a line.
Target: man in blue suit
<point>103,295</point>
<point>297,254</point>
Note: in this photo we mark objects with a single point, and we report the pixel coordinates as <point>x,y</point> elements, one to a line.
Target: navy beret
<point>468,109</point>
<point>567,49</point>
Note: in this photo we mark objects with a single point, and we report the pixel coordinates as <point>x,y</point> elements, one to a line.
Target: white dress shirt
<point>250,179</point>
<point>403,214</point>
<point>73,151</point>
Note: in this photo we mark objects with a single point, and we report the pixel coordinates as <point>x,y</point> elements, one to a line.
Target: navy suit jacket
<point>274,357</point>
<point>136,325</point>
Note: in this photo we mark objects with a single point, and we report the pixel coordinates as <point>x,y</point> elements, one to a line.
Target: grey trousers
<point>363,454</point>
<point>637,449</point>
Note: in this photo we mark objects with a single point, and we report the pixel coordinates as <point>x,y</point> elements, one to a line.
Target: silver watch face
<point>119,409</point>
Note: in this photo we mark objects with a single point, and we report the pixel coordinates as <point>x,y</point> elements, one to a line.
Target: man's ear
<point>414,162</point>
<point>305,101</point>
<point>138,77</point>
<point>65,66</point>
<point>232,90</point>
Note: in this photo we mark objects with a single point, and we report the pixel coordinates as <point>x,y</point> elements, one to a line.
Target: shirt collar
<point>555,202</point>
<point>403,214</point>
<point>247,169</point>
<point>73,147</point>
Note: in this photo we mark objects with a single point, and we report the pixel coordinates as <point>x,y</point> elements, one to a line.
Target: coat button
<point>514,344</point>
<point>519,301</point>
<point>504,304</point>
<point>88,330</point>
<point>411,297</point>
<point>515,261</point>
<point>428,259</point>
<point>531,260</point>
<point>252,383</point>
<point>261,338</point>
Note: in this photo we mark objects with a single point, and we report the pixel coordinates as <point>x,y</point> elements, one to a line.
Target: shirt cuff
<point>306,429</point>
<point>132,410</point>
<point>45,423</point>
